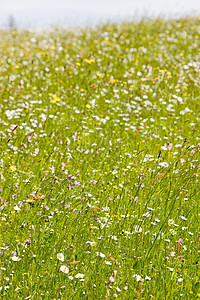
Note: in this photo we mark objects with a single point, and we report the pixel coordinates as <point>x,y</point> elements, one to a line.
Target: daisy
<point>64,269</point>
<point>171,222</point>
<point>91,243</point>
<point>164,164</point>
<point>79,276</point>
<point>60,256</point>
<point>138,229</point>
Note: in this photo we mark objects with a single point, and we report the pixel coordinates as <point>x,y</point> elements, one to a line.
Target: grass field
<point>99,162</point>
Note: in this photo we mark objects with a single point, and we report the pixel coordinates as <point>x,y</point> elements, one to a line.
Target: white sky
<point>75,12</point>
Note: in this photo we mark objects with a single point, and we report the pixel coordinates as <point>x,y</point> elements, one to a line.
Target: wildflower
<point>91,243</point>
<point>171,222</point>
<point>138,277</point>
<point>112,80</point>
<point>113,237</point>
<point>13,168</point>
<point>185,111</point>
<point>55,98</point>
<point>15,258</point>
<point>60,256</point>
<point>173,232</point>
<point>164,164</point>
<point>147,278</point>
<point>35,152</point>
<point>64,269</point>
<point>79,276</point>
<point>89,61</point>
<point>100,254</point>
<point>170,146</point>
<point>146,215</point>
<point>16,207</point>
<point>138,229</point>
<point>111,279</point>
<point>105,208</point>
<point>157,220</point>
<point>108,262</point>
<point>183,218</point>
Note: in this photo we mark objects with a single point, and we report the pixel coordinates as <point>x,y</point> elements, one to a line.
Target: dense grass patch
<point>99,158</point>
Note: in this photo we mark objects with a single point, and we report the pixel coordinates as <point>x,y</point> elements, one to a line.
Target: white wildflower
<point>60,256</point>
<point>64,269</point>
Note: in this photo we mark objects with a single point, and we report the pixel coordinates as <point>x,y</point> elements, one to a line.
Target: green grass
<point>99,161</point>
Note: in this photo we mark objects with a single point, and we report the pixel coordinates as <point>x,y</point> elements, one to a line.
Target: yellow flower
<point>55,98</point>
<point>88,106</point>
<point>89,61</point>
<point>112,81</point>
<point>13,168</point>
<point>30,201</point>
<point>100,75</point>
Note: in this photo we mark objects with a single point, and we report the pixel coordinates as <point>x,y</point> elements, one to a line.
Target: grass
<point>99,158</point>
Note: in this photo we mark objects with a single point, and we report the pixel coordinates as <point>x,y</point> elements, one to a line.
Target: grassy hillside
<point>99,162</point>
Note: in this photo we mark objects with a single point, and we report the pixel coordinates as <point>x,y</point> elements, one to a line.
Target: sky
<point>43,13</point>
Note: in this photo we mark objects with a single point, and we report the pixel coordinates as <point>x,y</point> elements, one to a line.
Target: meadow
<point>99,162</point>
